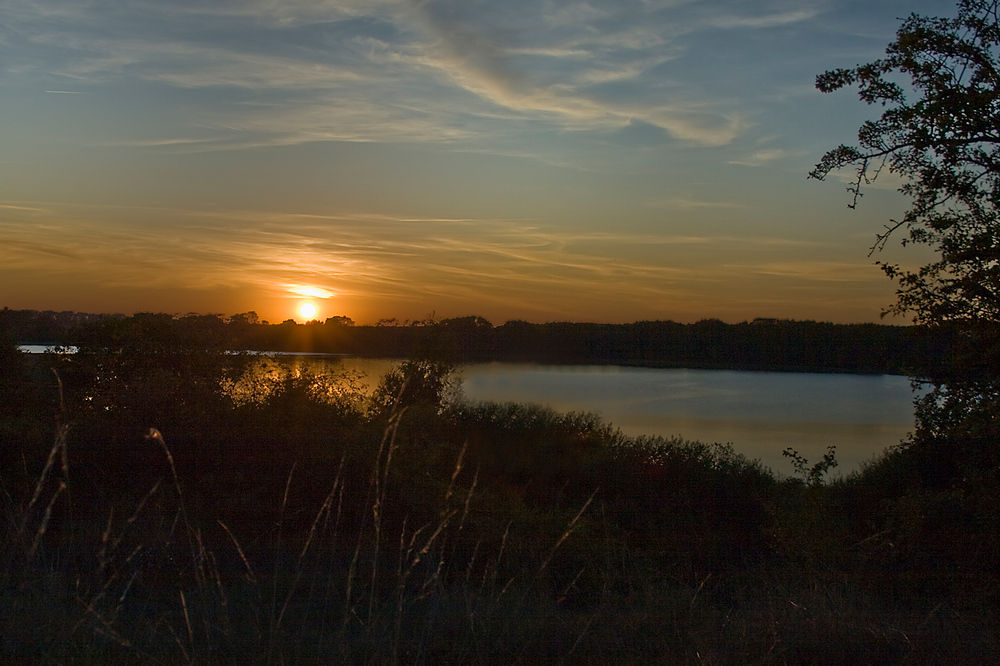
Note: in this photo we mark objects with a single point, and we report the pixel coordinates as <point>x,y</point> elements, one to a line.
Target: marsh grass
<point>353,587</point>
<point>304,527</point>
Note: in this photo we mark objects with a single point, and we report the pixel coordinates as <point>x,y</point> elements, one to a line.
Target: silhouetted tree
<point>412,383</point>
<point>466,323</point>
<point>945,143</point>
<point>250,318</point>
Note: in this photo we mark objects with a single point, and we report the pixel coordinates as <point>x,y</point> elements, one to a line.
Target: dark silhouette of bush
<point>302,523</point>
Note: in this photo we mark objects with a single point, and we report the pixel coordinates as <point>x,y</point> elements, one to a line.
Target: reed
<point>470,534</point>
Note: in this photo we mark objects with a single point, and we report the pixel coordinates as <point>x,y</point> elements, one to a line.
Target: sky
<point>546,160</point>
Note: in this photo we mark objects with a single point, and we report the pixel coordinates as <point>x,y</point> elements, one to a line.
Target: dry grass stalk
<point>496,566</point>
<point>454,474</point>
<point>380,469</point>
<point>58,448</point>
<point>156,436</point>
<point>45,519</point>
<point>275,622</point>
<point>187,620</point>
<point>468,498</point>
<point>106,627</point>
<point>180,644</point>
<point>569,529</point>
<point>250,575</point>
<point>104,554</point>
<point>324,509</point>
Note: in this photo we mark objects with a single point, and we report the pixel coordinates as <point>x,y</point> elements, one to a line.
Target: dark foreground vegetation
<point>165,502</point>
<point>762,344</point>
<point>187,508</point>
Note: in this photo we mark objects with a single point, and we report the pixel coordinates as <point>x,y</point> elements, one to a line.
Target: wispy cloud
<point>687,202</point>
<point>512,74</point>
<point>376,256</point>
<point>631,112</point>
<point>820,271</point>
<point>420,71</point>
<point>760,157</point>
<point>24,209</point>
<point>767,20</point>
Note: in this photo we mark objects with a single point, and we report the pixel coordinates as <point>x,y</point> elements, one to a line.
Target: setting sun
<point>308,310</point>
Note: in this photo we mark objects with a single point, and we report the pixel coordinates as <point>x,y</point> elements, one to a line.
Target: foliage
<point>945,144</point>
<point>813,476</point>
<point>414,382</point>
<point>298,526</point>
<point>761,344</point>
<point>927,510</point>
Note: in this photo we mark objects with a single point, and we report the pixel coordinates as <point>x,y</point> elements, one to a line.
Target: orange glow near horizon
<point>557,169</point>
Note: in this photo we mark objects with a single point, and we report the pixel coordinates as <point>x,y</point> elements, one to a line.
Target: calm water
<point>760,413</point>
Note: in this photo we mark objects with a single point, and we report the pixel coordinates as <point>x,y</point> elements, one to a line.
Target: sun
<point>308,311</point>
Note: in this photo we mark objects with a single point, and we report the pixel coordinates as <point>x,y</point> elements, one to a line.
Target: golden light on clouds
<point>548,164</point>
<point>312,292</point>
<point>386,266</point>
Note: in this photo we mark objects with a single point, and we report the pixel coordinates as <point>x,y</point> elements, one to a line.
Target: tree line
<point>761,344</point>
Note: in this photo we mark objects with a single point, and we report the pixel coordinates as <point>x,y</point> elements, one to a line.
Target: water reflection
<point>760,413</point>
<point>333,380</point>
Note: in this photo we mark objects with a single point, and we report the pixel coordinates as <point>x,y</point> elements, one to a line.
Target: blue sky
<point>558,160</point>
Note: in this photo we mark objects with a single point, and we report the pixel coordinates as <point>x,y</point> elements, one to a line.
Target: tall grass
<point>425,531</point>
<point>355,586</point>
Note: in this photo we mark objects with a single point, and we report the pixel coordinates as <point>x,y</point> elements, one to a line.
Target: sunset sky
<point>547,160</point>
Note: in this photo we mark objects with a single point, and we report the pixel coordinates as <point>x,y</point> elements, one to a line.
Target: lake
<point>760,413</point>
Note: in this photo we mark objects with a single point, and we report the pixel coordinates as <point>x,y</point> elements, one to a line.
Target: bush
<point>302,526</point>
